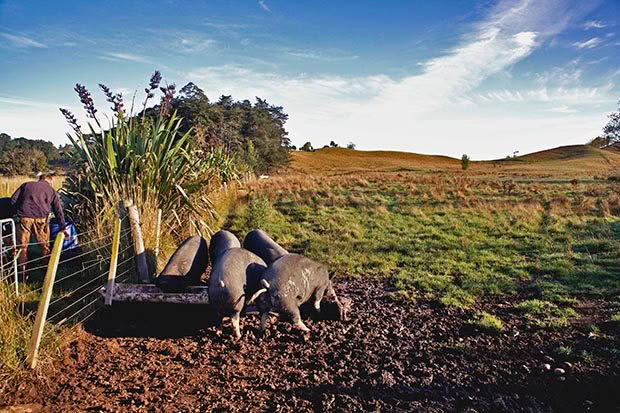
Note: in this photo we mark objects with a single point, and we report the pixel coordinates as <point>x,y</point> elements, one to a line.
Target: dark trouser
<point>41,229</point>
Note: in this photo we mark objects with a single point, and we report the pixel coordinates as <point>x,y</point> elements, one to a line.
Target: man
<point>31,203</point>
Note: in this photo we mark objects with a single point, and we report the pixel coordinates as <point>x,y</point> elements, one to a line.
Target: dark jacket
<point>34,199</point>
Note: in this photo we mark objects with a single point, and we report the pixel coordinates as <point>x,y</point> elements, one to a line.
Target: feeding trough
<point>178,283</point>
<point>151,293</point>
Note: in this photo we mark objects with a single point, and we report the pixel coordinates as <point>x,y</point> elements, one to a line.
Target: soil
<point>388,356</point>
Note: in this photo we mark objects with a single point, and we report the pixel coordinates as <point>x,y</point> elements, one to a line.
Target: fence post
<point>109,290</point>
<point>48,284</point>
<point>138,243</point>
<point>158,231</point>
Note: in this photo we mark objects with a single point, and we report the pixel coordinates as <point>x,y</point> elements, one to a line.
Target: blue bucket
<point>71,242</point>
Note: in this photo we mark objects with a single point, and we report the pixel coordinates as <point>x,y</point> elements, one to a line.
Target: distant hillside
<point>571,152</point>
<point>351,160</point>
<point>574,159</point>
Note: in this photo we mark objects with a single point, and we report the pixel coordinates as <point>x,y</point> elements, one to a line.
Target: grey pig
<point>185,266</point>
<point>289,282</point>
<point>262,245</point>
<point>220,242</point>
<point>234,277</point>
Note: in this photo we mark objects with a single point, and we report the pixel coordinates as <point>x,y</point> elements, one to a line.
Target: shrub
<point>259,210</point>
<point>465,162</point>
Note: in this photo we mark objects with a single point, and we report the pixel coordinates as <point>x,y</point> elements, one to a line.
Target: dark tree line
<point>253,131</point>
<point>21,156</point>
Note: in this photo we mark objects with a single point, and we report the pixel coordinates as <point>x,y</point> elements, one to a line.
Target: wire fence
<point>81,273</point>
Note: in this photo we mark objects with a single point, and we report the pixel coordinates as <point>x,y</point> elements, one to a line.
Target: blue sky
<point>482,77</point>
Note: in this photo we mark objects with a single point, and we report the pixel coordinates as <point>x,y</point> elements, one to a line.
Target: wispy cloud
<point>561,109</point>
<point>588,44</point>
<point>263,5</point>
<point>22,41</point>
<point>311,55</point>
<point>189,44</point>
<point>226,26</point>
<point>12,100</point>
<point>594,24</point>
<point>127,57</point>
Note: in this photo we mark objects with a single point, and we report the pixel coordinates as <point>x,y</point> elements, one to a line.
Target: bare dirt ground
<point>388,356</point>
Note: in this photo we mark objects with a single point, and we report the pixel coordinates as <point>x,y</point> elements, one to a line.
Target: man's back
<point>34,199</point>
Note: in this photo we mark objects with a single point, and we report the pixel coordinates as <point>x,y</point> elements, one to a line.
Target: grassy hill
<point>348,160</point>
<point>570,160</point>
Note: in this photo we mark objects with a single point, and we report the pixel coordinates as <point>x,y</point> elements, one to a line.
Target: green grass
<point>435,246</point>
<point>489,322</point>
<point>546,313</point>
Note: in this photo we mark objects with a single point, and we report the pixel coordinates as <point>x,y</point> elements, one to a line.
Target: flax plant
<point>140,158</point>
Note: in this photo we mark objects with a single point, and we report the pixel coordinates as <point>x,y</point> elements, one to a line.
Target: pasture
<point>492,289</point>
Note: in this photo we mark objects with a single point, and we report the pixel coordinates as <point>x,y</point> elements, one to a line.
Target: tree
<point>22,161</point>
<point>233,125</point>
<point>465,162</point>
<point>350,145</point>
<point>307,147</point>
<point>333,144</point>
<point>24,156</point>
<point>612,129</point>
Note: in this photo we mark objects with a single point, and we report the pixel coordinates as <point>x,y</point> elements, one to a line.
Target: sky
<point>479,77</point>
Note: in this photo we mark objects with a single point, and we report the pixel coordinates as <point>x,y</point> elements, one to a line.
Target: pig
<point>262,245</point>
<point>234,276</point>
<point>220,242</point>
<point>185,266</point>
<point>289,282</point>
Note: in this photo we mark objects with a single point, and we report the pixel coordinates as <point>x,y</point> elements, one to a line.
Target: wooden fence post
<point>158,231</point>
<point>138,243</point>
<point>48,284</point>
<point>109,290</point>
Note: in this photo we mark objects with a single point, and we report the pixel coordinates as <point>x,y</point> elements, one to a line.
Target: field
<point>8,185</point>
<point>491,289</point>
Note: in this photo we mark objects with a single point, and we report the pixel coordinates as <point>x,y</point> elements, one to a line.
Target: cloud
<point>22,41</point>
<point>12,100</point>
<point>263,5</point>
<point>594,24</point>
<point>226,26</point>
<point>128,57</point>
<point>310,55</point>
<point>588,44</point>
<point>561,109</point>
<point>189,44</point>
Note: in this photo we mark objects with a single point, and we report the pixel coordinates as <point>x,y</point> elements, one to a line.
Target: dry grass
<point>8,185</point>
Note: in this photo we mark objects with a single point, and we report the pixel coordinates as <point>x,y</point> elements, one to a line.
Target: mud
<point>388,356</point>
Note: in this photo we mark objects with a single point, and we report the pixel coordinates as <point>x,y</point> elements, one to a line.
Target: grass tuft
<point>489,322</point>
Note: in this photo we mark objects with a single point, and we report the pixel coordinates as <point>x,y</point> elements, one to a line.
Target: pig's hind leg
<point>318,296</point>
<point>234,320</point>
<point>341,309</point>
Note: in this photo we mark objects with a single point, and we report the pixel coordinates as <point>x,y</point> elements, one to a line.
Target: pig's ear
<point>264,283</point>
